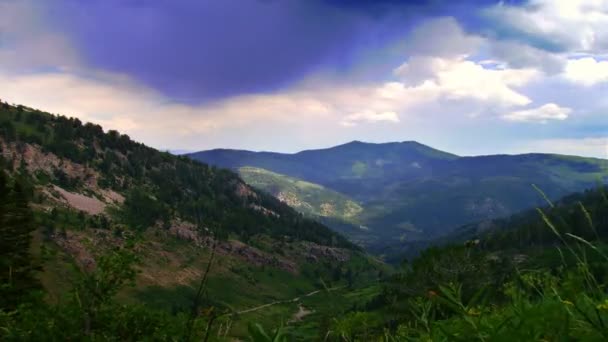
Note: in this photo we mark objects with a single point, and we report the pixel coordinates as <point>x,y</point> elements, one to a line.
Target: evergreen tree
<point>16,225</point>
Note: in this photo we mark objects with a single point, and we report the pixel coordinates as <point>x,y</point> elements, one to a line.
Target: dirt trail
<point>293,300</point>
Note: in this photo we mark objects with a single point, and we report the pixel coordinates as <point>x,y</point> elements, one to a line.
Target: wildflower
<point>473,312</point>
<point>603,306</point>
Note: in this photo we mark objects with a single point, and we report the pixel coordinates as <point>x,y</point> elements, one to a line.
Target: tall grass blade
<point>544,196</point>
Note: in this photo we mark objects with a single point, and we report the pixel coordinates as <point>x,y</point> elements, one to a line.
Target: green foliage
<point>412,192</point>
<point>258,334</point>
<point>16,225</point>
<point>141,211</point>
<point>159,186</point>
<point>521,289</point>
<point>91,312</point>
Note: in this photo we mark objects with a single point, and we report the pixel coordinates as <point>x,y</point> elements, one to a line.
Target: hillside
<point>96,197</point>
<point>413,192</point>
<point>538,275</point>
<point>308,198</point>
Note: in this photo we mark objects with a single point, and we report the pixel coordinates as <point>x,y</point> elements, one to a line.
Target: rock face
<point>308,251</point>
<point>96,200</point>
<point>252,255</point>
<point>244,191</point>
<point>315,252</point>
<point>38,161</point>
<point>35,159</point>
<point>89,205</point>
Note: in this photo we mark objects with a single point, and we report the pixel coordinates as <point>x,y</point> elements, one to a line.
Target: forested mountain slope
<point>410,192</point>
<point>538,275</point>
<point>172,226</point>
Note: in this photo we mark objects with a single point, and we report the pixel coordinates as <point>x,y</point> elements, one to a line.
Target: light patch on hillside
<point>306,197</point>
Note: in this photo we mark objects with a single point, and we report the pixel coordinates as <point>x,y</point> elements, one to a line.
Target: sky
<point>469,77</point>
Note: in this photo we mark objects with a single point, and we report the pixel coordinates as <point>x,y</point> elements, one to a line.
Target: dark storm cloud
<point>196,51</point>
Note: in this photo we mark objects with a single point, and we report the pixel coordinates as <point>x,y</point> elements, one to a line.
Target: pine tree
<point>16,225</point>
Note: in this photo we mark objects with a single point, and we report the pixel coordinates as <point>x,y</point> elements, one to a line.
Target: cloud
<point>117,102</point>
<point>519,55</point>
<point>441,74</point>
<point>441,37</point>
<point>120,101</point>
<point>542,114</point>
<point>586,71</point>
<point>459,78</point>
<point>198,51</point>
<point>27,42</point>
<point>553,25</point>
<point>369,116</point>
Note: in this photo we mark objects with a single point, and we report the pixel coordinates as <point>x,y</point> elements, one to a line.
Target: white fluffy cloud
<point>542,114</point>
<point>459,78</point>
<point>569,25</point>
<point>518,55</point>
<point>586,71</point>
<point>117,102</point>
<point>369,116</point>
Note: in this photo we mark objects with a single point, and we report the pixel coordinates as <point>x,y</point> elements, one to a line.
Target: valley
<point>410,192</point>
<point>184,250</point>
<point>304,171</point>
<point>96,194</point>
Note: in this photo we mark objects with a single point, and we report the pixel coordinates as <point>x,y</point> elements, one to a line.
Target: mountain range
<point>407,191</point>
<point>205,246</point>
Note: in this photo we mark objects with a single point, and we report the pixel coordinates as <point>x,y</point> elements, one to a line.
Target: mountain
<point>94,194</point>
<point>409,191</point>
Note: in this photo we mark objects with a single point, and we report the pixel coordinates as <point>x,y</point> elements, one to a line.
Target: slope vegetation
<point>105,204</point>
<point>538,275</point>
<point>308,198</point>
<point>413,192</point>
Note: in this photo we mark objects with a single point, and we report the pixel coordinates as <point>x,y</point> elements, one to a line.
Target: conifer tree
<point>16,225</point>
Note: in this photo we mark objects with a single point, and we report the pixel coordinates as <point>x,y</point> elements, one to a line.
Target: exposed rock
<point>252,255</point>
<point>264,211</point>
<point>74,245</point>
<point>89,205</point>
<point>37,160</point>
<point>244,191</point>
<point>112,196</point>
<point>186,231</point>
<point>327,209</point>
<point>314,252</point>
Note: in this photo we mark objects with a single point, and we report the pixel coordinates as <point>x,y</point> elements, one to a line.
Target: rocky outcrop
<point>251,255</point>
<point>315,252</point>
